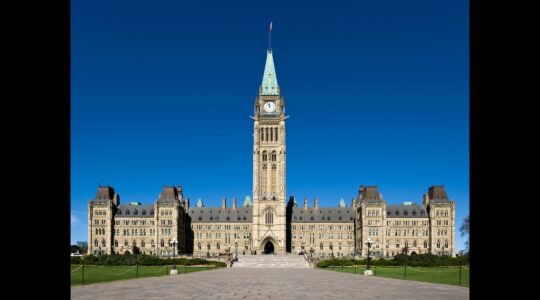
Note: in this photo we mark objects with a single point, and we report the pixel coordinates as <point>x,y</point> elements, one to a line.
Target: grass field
<point>444,275</point>
<point>94,274</point>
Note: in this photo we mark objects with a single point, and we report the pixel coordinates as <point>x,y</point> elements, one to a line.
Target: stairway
<point>271,261</point>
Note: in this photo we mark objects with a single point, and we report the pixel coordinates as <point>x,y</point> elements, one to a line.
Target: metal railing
<point>458,275</point>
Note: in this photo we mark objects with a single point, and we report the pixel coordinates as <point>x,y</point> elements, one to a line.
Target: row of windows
<point>166,222</point>
<point>372,212</point>
<point>269,134</point>
<point>443,222</point>
<point>218,227</point>
<point>406,223</point>
<point>407,232</point>
<point>127,212</point>
<point>406,213</point>
<point>373,222</point>
<point>134,232</point>
<point>100,212</point>
<point>216,218</point>
<point>100,231</point>
<point>441,213</point>
<point>217,235</point>
<point>373,231</point>
<point>100,222</point>
<point>218,246</point>
<point>266,156</point>
<point>133,222</point>
<point>166,212</point>
<point>322,227</point>
<point>323,218</point>
<point>442,232</point>
<point>330,236</point>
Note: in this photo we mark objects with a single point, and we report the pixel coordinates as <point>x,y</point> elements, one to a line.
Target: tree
<point>136,250</point>
<point>75,249</point>
<point>83,246</point>
<point>465,230</point>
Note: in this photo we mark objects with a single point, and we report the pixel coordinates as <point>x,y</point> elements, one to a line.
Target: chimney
<point>305,203</point>
<point>224,203</point>
<point>316,203</point>
<point>426,199</point>
<point>180,193</point>
<point>186,203</point>
<point>234,203</point>
<point>116,199</point>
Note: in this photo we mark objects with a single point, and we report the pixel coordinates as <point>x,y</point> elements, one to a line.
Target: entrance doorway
<point>268,248</point>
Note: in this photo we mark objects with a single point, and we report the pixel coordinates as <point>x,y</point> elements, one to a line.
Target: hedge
<point>418,260</point>
<point>141,259</point>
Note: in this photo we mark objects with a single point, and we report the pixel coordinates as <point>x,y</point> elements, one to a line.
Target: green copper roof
<point>342,203</point>
<point>247,202</point>
<point>269,84</point>
<point>199,203</point>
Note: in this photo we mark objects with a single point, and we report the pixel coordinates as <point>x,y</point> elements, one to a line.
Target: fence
<point>85,274</point>
<point>446,275</point>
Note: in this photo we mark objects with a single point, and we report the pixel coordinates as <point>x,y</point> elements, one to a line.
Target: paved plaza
<point>272,283</point>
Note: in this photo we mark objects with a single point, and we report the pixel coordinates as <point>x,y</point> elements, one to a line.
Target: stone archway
<point>268,248</point>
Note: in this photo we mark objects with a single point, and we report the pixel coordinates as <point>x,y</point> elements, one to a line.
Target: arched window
<point>276,135</point>
<point>208,246</point>
<point>135,212</point>
<point>152,243</point>
<point>438,244</point>
<point>264,156</point>
<point>162,243</point>
<point>425,244</point>
<point>116,243</point>
<point>126,243</point>
<point>269,216</point>
<point>262,134</point>
<point>266,133</point>
<point>321,246</point>
<point>339,246</point>
<point>127,212</point>
<point>218,246</point>
<point>274,156</point>
<point>143,243</point>
<point>96,243</point>
<point>331,246</point>
<point>271,134</point>
<point>103,243</point>
<point>199,246</point>
<point>446,244</point>
<point>414,243</point>
<point>134,243</point>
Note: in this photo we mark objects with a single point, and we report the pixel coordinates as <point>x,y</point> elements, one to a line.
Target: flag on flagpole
<point>270,26</point>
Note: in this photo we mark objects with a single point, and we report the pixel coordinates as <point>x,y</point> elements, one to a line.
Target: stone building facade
<point>270,223</point>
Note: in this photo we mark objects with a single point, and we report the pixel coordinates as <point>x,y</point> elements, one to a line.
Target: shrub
<point>75,260</point>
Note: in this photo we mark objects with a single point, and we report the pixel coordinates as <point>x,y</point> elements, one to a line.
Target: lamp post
<point>368,269</point>
<point>174,271</point>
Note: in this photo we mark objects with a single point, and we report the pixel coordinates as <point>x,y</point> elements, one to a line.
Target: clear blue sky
<point>162,91</point>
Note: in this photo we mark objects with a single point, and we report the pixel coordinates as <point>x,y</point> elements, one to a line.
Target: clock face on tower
<point>269,107</point>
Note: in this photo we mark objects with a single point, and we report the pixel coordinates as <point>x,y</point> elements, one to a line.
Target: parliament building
<point>271,223</point>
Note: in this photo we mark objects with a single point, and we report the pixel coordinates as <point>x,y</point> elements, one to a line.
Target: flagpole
<point>270,37</point>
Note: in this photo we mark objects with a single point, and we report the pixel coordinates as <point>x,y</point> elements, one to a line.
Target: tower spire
<point>269,85</point>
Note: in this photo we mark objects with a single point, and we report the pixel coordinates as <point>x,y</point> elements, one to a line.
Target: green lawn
<point>445,275</point>
<point>94,274</point>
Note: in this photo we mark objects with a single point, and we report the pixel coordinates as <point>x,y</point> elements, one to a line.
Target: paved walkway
<point>271,261</point>
<point>274,283</point>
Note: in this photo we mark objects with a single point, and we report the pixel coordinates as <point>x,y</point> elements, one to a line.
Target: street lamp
<point>174,242</point>
<point>368,270</point>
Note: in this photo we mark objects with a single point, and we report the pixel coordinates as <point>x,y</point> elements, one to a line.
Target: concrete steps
<point>271,261</point>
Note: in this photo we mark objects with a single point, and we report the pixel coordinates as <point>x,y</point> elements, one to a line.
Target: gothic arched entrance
<point>269,248</point>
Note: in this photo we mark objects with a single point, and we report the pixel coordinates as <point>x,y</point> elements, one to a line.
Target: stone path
<point>271,261</point>
<point>253,283</point>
